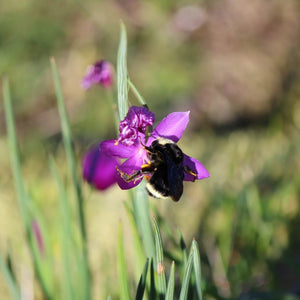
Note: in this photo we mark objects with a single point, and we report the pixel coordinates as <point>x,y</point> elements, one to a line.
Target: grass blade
<point>123,280</point>
<point>12,285</point>
<point>138,247</point>
<point>197,268</point>
<point>66,231</point>
<point>122,74</point>
<point>183,253</point>
<point>14,153</point>
<point>67,138</point>
<point>161,276</point>
<point>152,293</point>
<point>22,196</point>
<point>141,212</point>
<point>142,283</point>
<point>171,283</point>
<point>186,277</point>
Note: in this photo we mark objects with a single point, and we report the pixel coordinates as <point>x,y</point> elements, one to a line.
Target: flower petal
<point>129,167</point>
<point>99,169</point>
<point>171,127</point>
<point>196,167</point>
<point>135,124</point>
<point>115,148</point>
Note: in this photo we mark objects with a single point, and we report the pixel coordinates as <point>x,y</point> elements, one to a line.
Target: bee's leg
<point>188,170</point>
<point>147,168</point>
<point>130,177</point>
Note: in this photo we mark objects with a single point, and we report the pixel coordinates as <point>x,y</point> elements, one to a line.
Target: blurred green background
<point>234,64</point>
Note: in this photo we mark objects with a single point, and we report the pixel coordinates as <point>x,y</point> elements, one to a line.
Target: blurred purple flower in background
<point>131,145</point>
<point>100,73</point>
<point>38,236</point>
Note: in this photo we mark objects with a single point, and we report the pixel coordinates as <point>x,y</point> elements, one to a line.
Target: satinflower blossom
<point>132,143</point>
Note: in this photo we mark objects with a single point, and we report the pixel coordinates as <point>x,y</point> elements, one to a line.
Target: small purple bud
<point>38,236</point>
<point>99,73</point>
<point>99,170</point>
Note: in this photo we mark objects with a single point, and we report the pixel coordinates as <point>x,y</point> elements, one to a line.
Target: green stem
<point>136,92</point>
<point>18,180</point>
<point>67,138</point>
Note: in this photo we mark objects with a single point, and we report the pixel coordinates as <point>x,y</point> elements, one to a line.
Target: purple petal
<point>115,148</point>
<point>129,167</point>
<point>135,124</point>
<point>99,169</point>
<point>171,127</point>
<point>196,167</point>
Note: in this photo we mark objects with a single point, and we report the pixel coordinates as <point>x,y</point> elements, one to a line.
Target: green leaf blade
<point>8,276</point>
<point>171,283</point>
<point>14,154</point>
<point>68,145</point>
<point>122,74</point>
<point>22,196</point>
<point>197,268</point>
<point>140,203</point>
<point>186,277</point>
<point>66,232</point>
<point>123,280</point>
<point>161,276</point>
<point>142,283</point>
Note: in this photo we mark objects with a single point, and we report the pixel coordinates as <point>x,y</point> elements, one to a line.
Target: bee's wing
<point>175,179</point>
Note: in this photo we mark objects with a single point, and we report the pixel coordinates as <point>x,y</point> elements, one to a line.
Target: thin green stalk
<point>142,217</point>
<point>12,285</point>
<point>66,231</point>
<point>137,243</point>
<point>142,283</point>
<point>152,292</point>
<point>161,275</point>
<point>186,277</point>
<point>136,92</point>
<point>171,283</point>
<point>67,138</point>
<point>19,184</point>
<point>197,269</point>
<point>123,280</point>
<point>122,74</point>
<point>14,154</point>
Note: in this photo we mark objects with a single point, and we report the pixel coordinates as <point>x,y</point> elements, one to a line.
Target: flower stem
<point>67,138</point>
<point>136,92</point>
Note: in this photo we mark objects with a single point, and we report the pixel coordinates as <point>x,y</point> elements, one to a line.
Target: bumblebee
<point>164,172</point>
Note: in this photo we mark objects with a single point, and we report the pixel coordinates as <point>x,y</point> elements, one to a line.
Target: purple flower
<point>99,73</point>
<point>99,170</point>
<point>135,124</point>
<point>132,144</point>
<point>102,167</point>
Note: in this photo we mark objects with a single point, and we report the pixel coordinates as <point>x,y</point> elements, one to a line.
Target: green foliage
<point>122,74</point>
<point>75,278</point>
<point>245,217</point>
